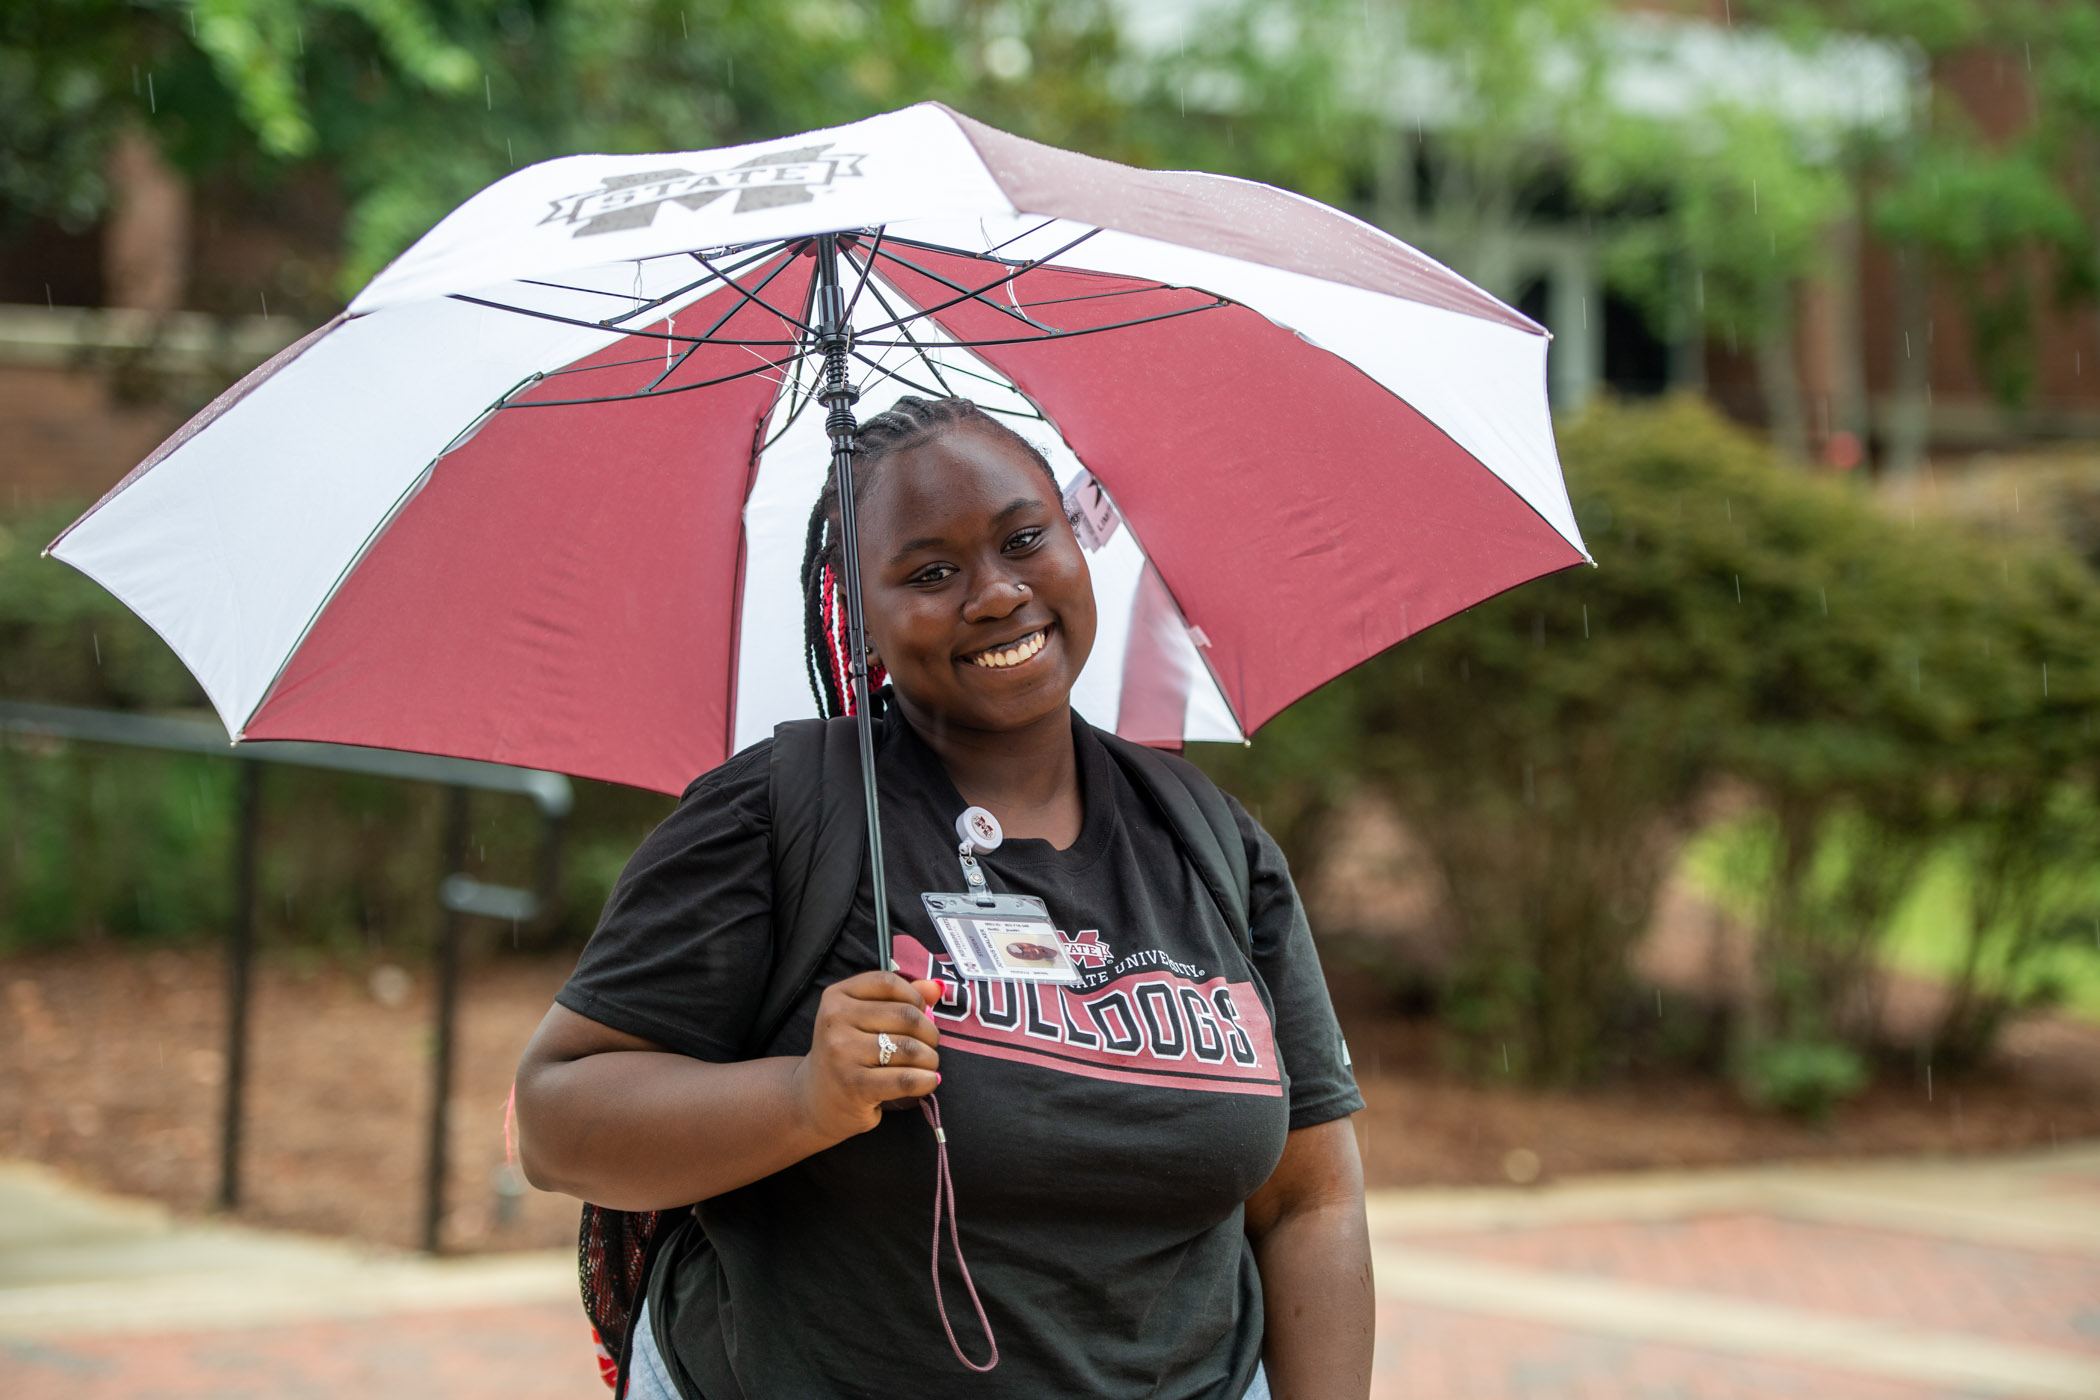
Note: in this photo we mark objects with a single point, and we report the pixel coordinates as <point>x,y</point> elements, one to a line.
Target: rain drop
<point>97,638</point>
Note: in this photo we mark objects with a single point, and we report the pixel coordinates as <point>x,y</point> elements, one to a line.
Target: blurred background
<point>1773,837</point>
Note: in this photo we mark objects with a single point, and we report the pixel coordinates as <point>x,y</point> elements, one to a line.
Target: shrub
<point>1867,675</point>
<point>1805,1078</point>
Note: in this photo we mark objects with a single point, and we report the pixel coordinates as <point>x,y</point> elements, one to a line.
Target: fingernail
<point>936,1079</point>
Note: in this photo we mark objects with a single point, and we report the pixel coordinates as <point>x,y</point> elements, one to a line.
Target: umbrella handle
<point>837,394</point>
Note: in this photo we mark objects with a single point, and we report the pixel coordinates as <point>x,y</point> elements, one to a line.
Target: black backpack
<point>819,841</point>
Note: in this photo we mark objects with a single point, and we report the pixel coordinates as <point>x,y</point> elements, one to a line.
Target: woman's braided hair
<point>909,422</point>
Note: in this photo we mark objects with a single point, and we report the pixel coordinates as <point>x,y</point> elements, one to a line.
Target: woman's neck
<point>1028,778</point>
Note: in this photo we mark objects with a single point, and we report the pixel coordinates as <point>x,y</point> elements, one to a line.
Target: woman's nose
<point>997,597</point>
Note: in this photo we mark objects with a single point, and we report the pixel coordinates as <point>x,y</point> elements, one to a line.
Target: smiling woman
<point>1146,1129</point>
<point>973,570</point>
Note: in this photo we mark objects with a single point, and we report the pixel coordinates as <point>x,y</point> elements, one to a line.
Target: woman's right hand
<point>840,1084</point>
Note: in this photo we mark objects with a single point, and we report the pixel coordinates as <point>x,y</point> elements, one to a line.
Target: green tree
<point>409,106</point>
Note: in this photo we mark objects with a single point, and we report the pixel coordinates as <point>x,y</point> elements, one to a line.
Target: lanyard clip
<point>979,831</point>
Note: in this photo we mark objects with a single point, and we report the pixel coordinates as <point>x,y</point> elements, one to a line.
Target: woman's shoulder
<point>733,799</point>
<point>746,771</point>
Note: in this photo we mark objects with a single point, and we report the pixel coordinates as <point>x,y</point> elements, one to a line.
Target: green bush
<point>1863,673</point>
<point>1805,1078</point>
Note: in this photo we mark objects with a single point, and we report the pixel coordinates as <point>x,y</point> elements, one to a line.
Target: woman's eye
<point>932,573</point>
<point>1022,539</point>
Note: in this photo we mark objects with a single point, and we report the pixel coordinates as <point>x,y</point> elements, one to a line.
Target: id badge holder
<point>996,937</point>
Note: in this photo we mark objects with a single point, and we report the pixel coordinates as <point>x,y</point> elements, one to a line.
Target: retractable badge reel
<point>995,937</point>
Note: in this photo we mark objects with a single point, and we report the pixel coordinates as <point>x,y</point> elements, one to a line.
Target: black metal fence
<point>459,894</point>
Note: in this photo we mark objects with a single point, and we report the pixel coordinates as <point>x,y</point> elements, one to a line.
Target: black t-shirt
<point>1102,1138</point>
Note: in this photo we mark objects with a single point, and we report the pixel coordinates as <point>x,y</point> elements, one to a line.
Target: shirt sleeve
<point>681,952</point>
<point>1308,1038</point>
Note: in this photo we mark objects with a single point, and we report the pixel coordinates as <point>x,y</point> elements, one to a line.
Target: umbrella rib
<point>582,291</point>
<point>967,295</point>
<point>797,402</point>
<point>891,312</point>
<point>900,377</point>
<point>866,272</point>
<point>720,321</point>
<point>760,368</point>
<point>1054,333</point>
<point>657,359</point>
<point>943,392</point>
<point>611,325</point>
<point>968,373</point>
<point>753,297</point>
<point>797,399</point>
<point>600,325</point>
<point>763,252</point>
<point>1025,233</point>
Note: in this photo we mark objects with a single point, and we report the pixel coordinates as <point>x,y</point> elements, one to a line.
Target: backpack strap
<point>819,844</point>
<point>1202,822</point>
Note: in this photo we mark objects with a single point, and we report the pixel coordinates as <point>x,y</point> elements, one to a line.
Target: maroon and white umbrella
<point>539,495</point>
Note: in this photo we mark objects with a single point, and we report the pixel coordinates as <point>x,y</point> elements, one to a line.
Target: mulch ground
<point>110,1067</point>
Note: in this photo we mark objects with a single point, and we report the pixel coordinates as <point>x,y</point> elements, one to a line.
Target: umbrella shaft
<point>837,394</point>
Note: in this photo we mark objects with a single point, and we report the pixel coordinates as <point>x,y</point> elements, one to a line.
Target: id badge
<point>1001,938</point>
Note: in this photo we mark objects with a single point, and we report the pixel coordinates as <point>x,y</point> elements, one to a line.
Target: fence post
<point>455,858</point>
<point>240,961</point>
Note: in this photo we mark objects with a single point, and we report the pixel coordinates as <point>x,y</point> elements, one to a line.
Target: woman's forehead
<point>963,471</point>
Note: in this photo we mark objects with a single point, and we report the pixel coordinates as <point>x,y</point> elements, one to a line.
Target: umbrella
<point>538,495</point>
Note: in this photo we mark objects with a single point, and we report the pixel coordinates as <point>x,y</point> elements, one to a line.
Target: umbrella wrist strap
<point>944,1198</point>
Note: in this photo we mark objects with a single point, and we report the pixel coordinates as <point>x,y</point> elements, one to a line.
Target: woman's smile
<point>1007,655</point>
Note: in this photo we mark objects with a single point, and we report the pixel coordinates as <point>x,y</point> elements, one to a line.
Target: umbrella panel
<point>1226,438</point>
<point>557,593</point>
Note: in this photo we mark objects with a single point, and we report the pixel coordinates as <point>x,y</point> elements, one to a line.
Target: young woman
<point>1159,1188</point>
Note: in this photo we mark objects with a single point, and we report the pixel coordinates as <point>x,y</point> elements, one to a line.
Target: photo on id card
<point>1013,940</point>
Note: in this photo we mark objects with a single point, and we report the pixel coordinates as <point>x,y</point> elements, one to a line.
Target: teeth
<point>1014,655</point>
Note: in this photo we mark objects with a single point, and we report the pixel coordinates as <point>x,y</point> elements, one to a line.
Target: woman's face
<point>978,599</point>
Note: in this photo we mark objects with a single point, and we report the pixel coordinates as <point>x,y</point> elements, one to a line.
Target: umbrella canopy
<point>539,495</point>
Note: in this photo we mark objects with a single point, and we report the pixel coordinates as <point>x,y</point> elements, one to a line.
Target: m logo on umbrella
<point>762,182</point>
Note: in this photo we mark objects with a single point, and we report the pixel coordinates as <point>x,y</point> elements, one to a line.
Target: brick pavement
<point>1427,1353</point>
<point>536,1352</point>
<point>2018,1295</point>
<point>1908,1282</point>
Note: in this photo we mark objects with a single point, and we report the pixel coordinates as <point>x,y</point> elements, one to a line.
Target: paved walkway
<point>1866,1282</point>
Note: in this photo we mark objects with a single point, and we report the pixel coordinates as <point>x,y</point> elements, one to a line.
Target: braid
<point>909,422</point>
<point>816,644</point>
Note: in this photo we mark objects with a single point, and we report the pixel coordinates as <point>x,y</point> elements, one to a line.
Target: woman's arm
<point>1314,1248</point>
<point>626,1124</point>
